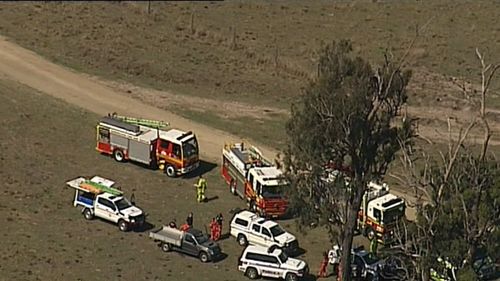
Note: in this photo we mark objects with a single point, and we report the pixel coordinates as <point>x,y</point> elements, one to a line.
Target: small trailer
<point>192,242</point>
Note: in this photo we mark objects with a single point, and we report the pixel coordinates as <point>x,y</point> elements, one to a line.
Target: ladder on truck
<point>141,121</point>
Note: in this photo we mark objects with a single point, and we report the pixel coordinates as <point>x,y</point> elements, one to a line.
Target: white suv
<point>271,262</point>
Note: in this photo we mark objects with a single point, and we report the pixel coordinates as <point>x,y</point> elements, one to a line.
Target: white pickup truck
<point>99,199</point>
<point>249,228</point>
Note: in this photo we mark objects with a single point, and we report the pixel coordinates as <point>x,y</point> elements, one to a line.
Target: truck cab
<point>248,228</point>
<point>267,185</point>
<point>380,212</point>
<point>177,152</point>
<point>98,199</point>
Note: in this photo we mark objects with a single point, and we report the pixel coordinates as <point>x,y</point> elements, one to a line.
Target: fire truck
<point>143,141</point>
<point>255,179</point>
<point>380,212</point>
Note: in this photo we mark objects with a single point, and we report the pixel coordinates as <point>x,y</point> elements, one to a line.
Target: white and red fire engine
<point>142,140</point>
<point>254,179</point>
<point>380,212</point>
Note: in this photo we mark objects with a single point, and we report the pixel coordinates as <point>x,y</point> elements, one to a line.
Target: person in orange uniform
<point>323,266</point>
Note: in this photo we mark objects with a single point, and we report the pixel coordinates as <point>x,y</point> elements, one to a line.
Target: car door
<point>256,236</point>
<point>103,209</point>
<point>189,245</point>
<point>266,235</point>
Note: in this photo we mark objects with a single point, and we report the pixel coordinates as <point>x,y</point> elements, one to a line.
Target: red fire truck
<point>141,140</point>
<point>254,179</point>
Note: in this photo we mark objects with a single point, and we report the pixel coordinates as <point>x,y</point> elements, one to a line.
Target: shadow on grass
<point>143,228</point>
<point>205,167</point>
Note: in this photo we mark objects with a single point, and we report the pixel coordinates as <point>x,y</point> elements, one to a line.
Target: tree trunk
<point>348,234</point>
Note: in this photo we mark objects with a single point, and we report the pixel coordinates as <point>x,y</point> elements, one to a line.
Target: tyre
<point>118,155</point>
<point>252,273</point>
<point>291,277</point>
<point>242,240</point>
<point>232,187</point>
<point>166,247</point>
<point>123,225</point>
<point>87,213</point>
<point>203,257</point>
<point>170,171</point>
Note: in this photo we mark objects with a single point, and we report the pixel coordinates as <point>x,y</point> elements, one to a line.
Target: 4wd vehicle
<point>258,261</point>
<point>249,228</point>
<point>99,199</point>
<point>192,242</point>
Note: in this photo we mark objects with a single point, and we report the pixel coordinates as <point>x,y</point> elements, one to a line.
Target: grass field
<point>256,54</point>
<point>45,238</point>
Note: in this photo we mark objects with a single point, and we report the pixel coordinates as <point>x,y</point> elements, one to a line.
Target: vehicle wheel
<point>232,187</point>
<point>118,155</point>
<point>371,234</point>
<point>170,171</point>
<point>252,273</point>
<point>291,277</point>
<point>123,225</point>
<point>203,257</point>
<point>166,247</point>
<point>242,240</point>
<point>87,213</point>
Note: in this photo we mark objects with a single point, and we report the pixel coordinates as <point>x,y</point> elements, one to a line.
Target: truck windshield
<point>276,230</point>
<point>283,257</point>
<point>393,214</point>
<point>270,191</point>
<point>190,148</point>
<point>123,204</point>
<point>201,238</point>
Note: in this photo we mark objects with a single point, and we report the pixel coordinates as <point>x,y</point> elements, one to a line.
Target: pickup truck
<point>99,199</point>
<point>192,242</point>
<point>249,228</point>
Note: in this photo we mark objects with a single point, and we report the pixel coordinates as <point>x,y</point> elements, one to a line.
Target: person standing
<point>323,266</point>
<point>201,186</point>
<point>334,258</point>
<point>213,226</point>
<point>373,247</point>
<point>220,219</point>
<point>189,219</point>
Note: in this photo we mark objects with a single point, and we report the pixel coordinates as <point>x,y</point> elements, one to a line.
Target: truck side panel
<point>119,141</point>
<point>140,152</point>
<point>229,172</point>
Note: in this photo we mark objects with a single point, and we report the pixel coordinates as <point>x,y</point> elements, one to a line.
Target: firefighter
<point>189,220</point>
<point>132,199</point>
<point>213,225</point>
<point>334,258</point>
<point>373,247</point>
<point>323,266</point>
<point>220,219</point>
<point>201,186</point>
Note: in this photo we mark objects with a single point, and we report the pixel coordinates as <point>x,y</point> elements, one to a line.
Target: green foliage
<point>346,116</point>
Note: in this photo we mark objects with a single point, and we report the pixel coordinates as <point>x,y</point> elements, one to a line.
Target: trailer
<point>254,178</point>
<point>144,141</point>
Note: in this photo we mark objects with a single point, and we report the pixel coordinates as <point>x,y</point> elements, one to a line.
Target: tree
<point>346,116</point>
<point>461,190</point>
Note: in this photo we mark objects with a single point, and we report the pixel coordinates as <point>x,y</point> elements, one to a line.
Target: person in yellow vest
<point>201,186</point>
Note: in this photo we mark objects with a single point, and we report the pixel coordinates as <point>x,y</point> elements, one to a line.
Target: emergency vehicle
<point>380,212</point>
<point>254,179</point>
<point>143,141</point>
<point>98,198</point>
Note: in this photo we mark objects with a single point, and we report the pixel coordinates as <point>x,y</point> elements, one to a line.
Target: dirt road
<point>26,67</point>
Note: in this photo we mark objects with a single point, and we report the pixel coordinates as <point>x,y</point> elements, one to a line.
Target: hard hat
<point>335,247</point>
<point>440,259</point>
